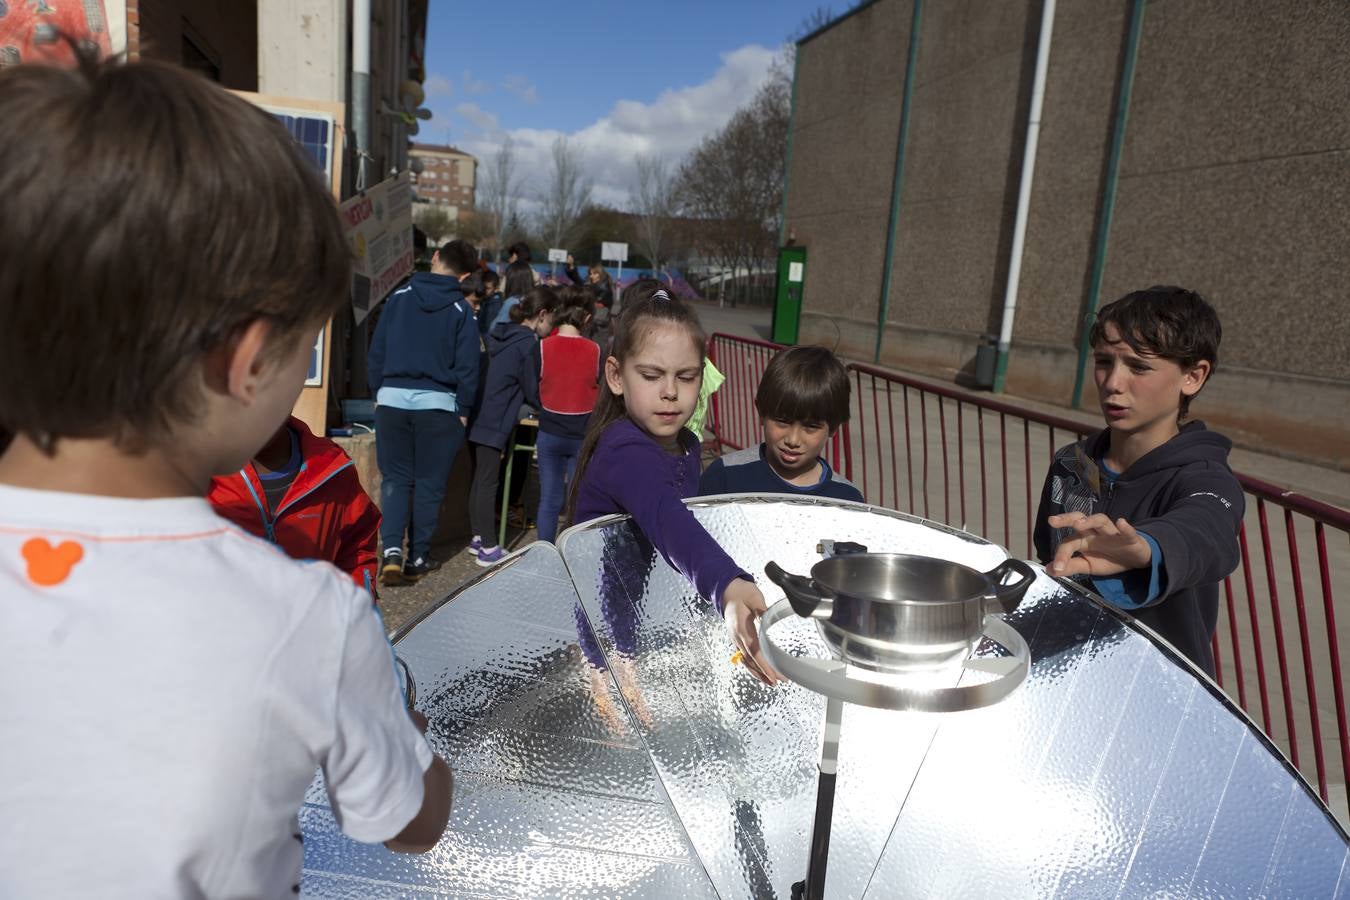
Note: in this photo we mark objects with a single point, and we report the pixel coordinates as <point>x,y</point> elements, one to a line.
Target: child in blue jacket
<point>512,379</point>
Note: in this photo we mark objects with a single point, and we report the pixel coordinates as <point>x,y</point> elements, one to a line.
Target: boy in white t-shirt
<point>169,684</point>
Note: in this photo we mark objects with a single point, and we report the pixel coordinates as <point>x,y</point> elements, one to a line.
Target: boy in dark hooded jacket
<point>1147,510</point>
<point>423,371</point>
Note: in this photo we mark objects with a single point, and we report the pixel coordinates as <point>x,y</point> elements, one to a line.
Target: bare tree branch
<point>499,191</point>
<point>568,193</point>
<point>654,206</point>
<point>732,182</point>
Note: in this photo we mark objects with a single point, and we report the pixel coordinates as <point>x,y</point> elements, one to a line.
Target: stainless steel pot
<point>894,612</point>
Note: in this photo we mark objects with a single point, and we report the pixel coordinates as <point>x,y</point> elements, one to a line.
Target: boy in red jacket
<point>301,493</point>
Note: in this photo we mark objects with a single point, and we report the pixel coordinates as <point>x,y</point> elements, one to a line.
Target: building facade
<point>1230,178</point>
<point>447,177</point>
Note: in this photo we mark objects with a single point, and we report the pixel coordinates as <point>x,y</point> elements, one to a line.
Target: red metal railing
<point>908,435</point>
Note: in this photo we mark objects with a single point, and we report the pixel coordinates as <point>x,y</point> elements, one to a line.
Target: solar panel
<point>313,133</point>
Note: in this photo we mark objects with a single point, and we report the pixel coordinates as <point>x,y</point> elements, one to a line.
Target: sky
<point>617,78</point>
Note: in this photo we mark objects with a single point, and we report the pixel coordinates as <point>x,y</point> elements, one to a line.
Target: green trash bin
<point>787,306</point>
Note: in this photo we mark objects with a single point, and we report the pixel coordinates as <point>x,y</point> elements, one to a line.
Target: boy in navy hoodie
<point>1147,511</point>
<point>802,400</point>
<point>424,375</point>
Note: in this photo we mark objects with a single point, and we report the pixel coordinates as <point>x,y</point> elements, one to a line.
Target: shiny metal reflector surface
<point>617,752</point>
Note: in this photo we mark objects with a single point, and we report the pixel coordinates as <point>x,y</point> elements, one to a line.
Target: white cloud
<point>471,86</point>
<point>438,86</point>
<point>668,127</point>
<point>520,86</point>
<point>483,120</point>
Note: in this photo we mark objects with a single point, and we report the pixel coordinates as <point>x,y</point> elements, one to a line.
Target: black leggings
<point>487,463</point>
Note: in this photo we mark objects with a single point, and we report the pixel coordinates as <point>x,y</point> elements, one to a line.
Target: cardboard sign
<point>378,223</point>
<point>615,252</point>
<point>556,255</point>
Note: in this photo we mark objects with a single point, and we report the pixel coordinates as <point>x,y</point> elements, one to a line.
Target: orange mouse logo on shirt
<point>47,565</point>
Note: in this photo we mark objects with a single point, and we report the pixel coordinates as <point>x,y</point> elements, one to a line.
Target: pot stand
<point>831,678</point>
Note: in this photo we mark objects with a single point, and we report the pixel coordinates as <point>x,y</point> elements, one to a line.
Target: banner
<point>378,223</point>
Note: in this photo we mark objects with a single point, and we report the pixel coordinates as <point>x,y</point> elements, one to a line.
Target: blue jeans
<point>557,464</point>
<point>415,450</point>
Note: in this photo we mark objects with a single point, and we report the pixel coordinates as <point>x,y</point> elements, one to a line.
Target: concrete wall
<point>1234,179</point>
<point>302,49</point>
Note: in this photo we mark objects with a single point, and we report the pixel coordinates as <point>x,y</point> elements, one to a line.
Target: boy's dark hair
<point>460,257</point>
<point>519,279</point>
<point>576,305</point>
<point>195,214</point>
<point>536,300</point>
<point>647,305</point>
<point>472,284</point>
<point>804,384</point>
<point>521,250</point>
<point>1168,322</point>
<point>490,280</point>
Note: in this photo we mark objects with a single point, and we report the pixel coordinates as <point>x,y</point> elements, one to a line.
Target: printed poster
<point>378,223</point>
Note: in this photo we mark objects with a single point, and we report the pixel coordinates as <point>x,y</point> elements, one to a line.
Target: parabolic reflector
<point>605,746</point>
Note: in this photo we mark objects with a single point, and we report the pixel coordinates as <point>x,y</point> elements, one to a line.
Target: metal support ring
<point>830,676</point>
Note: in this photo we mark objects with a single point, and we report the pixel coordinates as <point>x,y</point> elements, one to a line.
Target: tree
<point>654,206</point>
<point>434,220</point>
<point>500,192</point>
<point>474,226</point>
<point>732,182</point>
<point>567,195</point>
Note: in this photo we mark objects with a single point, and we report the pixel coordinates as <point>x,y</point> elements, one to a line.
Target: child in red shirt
<point>301,492</point>
<point>569,382</point>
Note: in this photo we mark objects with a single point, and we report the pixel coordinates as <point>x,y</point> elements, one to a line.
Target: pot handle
<point>1008,596</point>
<point>802,593</point>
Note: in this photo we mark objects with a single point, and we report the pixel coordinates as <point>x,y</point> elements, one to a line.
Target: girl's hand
<point>742,605</point>
<point>1098,546</point>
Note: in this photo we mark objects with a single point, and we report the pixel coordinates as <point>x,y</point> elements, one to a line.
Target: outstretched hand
<point>742,605</point>
<point>1098,546</point>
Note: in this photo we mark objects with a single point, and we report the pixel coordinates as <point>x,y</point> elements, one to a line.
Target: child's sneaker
<point>416,569</point>
<point>489,556</point>
<point>475,545</point>
<point>391,569</point>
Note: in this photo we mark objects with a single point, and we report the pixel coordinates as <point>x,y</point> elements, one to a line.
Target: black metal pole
<point>818,860</point>
<point>820,838</point>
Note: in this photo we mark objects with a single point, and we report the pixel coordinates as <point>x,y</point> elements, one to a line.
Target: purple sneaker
<point>489,556</point>
<point>475,545</point>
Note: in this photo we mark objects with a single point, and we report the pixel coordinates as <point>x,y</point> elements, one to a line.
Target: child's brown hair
<point>576,305</point>
<point>804,384</point>
<point>149,217</point>
<point>1168,322</point>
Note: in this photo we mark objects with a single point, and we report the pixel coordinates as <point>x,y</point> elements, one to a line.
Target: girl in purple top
<point>638,458</point>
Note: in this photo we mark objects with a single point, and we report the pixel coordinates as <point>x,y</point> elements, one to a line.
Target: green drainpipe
<point>787,152</point>
<point>897,182</point>
<point>1109,193</point>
